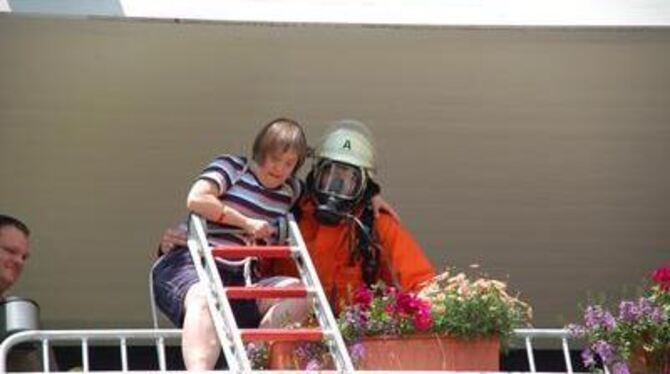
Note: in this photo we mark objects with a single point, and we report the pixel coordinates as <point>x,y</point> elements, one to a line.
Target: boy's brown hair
<point>279,136</point>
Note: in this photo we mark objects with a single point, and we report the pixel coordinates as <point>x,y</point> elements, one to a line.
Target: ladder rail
<point>229,334</point>
<point>219,306</point>
<point>322,308</point>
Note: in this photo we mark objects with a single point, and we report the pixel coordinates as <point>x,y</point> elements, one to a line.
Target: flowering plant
<point>383,310</point>
<point>454,306</point>
<point>470,308</point>
<point>641,326</point>
<point>379,310</point>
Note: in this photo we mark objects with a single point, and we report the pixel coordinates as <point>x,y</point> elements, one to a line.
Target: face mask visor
<point>339,180</point>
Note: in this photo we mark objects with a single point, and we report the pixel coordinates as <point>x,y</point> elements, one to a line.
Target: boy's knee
<point>196,297</point>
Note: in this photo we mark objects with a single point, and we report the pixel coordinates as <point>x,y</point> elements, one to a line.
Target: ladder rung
<point>262,251</point>
<point>282,334</point>
<point>265,292</point>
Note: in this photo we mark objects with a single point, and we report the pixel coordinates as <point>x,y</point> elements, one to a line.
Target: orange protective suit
<point>329,248</point>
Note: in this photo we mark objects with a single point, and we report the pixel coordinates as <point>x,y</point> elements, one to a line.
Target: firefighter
<point>350,245</point>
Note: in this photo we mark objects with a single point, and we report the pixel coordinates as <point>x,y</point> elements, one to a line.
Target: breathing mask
<point>345,158</point>
<point>338,187</point>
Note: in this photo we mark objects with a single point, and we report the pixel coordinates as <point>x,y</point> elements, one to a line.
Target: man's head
<point>14,250</point>
<point>345,161</point>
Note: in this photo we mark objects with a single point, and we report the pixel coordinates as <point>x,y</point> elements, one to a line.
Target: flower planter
<point>414,352</point>
<point>639,363</point>
<point>430,352</point>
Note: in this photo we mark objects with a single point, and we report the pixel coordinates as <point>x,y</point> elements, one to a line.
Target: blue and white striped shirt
<point>239,188</point>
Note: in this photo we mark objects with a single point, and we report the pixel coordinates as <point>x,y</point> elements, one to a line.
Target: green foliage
<point>475,308</point>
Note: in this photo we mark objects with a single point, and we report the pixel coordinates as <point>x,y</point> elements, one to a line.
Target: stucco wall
<point>538,153</point>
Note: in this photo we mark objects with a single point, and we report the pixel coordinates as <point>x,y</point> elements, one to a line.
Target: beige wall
<point>538,153</point>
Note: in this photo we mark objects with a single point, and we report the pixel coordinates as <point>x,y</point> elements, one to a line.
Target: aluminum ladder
<point>230,336</point>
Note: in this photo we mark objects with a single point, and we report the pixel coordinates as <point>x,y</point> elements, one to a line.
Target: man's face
<point>14,252</point>
<point>341,180</point>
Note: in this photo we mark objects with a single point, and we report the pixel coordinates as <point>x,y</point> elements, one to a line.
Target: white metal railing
<point>123,337</point>
<point>137,337</point>
<point>529,334</point>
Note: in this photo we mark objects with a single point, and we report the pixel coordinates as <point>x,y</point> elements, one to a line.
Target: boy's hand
<point>259,229</point>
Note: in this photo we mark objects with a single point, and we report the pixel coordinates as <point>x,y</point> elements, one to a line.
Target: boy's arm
<point>203,199</point>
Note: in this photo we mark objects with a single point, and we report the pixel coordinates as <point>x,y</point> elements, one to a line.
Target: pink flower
<point>363,297</point>
<point>407,303</point>
<point>662,277</point>
<point>423,319</point>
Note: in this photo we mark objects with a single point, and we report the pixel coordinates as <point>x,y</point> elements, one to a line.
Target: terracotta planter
<point>430,352</point>
<point>640,363</point>
<point>415,352</point>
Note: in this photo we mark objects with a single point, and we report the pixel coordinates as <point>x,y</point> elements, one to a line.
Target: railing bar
<point>47,337</point>
<point>529,354</point>
<point>45,355</point>
<point>124,355</point>
<point>160,346</point>
<point>84,354</point>
<point>566,355</point>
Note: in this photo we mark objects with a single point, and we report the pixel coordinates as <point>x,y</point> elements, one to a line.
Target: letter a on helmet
<point>348,141</point>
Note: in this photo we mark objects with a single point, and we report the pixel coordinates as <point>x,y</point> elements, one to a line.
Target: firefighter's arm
<point>408,262</point>
<point>172,237</point>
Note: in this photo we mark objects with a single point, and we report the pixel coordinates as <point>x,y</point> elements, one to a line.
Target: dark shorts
<point>173,276</point>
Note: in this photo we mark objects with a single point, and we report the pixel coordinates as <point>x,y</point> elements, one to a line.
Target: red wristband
<point>221,216</point>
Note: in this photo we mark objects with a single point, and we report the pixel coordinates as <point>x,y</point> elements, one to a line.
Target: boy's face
<point>277,168</point>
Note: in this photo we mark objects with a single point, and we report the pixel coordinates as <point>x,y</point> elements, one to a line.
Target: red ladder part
<point>285,335</point>
<point>264,251</point>
<point>265,292</point>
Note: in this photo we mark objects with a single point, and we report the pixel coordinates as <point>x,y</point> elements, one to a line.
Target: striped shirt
<point>239,188</point>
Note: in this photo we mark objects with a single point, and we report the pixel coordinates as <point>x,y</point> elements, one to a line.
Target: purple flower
<point>596,316</point>
<point>313,364</point>
<point>605,351</point>
<point>576,331</point>
<point>357,351</point>
<point>658,316</point>
<point>650,311</point>
<point>620,368</point>
<point>587,357</point>
<point>628,311</point>
<point>645,306</point>
<point>355,319</point>
<point>608,323</point>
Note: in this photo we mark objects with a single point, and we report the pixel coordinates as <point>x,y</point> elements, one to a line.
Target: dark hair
<point>280,135</point>
<point>6,220</point>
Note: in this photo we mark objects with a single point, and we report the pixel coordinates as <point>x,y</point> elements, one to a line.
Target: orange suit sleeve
<point>408,263</point>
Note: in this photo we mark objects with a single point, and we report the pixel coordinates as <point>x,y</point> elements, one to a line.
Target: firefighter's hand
<point>379,205</point>
<point>172,238</point>
<point>258,228</point>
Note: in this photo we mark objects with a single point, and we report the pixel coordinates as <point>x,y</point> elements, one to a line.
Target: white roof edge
<point>613,13</point>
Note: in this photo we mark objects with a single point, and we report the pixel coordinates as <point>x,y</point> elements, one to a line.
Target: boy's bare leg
<point>200,346</point>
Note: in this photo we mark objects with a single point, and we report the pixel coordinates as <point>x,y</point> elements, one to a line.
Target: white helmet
<point>345,160</point>
<point>348,141</point>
